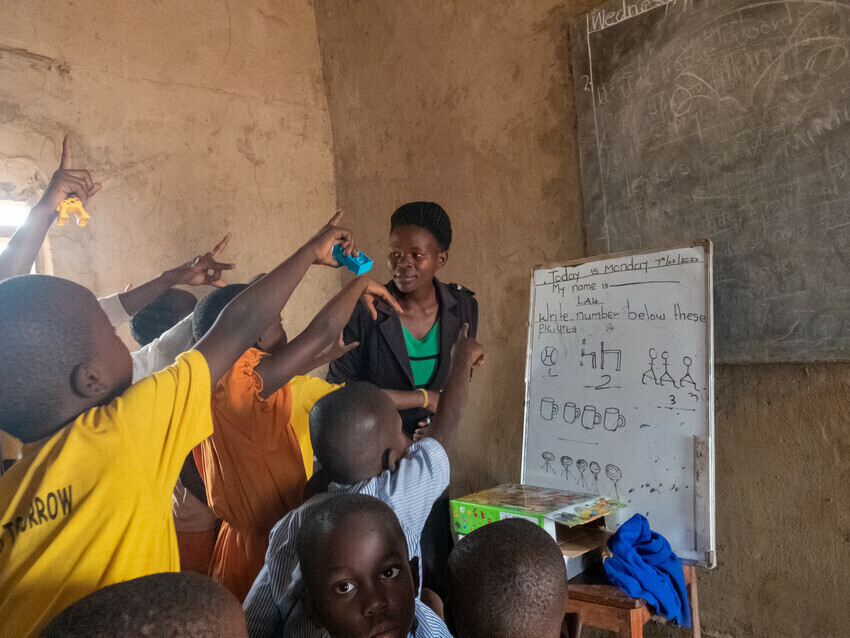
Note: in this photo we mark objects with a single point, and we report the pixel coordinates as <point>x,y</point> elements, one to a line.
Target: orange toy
<point>72,205</point>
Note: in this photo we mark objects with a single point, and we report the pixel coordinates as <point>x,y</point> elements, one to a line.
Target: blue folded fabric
<point>643,565</point>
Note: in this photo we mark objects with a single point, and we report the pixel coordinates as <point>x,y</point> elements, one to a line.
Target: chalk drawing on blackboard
<point>613,472</point>
<point>590,417</point>
<point>653,355</point>
<point>548,457</point>
<point>581,465</point>
<point>571,412</point>
<point>666,376</point>
<point>548,408</point>
<point>687,378</point>
<point>566,461</point>
<point>595,469</point>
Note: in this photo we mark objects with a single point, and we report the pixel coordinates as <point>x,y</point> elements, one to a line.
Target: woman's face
<point>415,256</point>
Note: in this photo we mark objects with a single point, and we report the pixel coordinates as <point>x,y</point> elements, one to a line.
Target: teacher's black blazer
<point>381,358</point>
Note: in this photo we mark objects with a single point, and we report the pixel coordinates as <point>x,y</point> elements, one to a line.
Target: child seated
<point>507,580</point>
<point>174,605</point>
<point>257,461</point>
<point>89,504</point>
<point>361,448</point>
<point>357,577</point>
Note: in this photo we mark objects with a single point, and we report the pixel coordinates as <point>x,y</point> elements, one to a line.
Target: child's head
<point>356,433</point>
<point>420,236</point>
<point>210,307</point>
<point>161,314</point>
<point>59,355</point>
<point>358,580</point>
<point>182,604</point>
<point>507,578</point>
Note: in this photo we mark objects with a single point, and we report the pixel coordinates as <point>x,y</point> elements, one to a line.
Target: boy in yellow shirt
<point>89,504</point>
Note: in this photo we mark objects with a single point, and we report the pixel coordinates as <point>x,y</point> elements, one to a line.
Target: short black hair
<point>340,423</point>
<point>42,341</point>
<point>180,604</point>
<point>161,314</point>
<point>427,215</point>
<point>210,307</point>
<point>506,579</point>
<point>322,521</point>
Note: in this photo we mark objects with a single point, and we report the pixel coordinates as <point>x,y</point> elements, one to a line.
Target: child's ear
<point>414,571</point>
<point>442,258</point>
<point>86,381</point>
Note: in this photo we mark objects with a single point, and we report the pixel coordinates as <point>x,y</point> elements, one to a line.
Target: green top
<point>424,354</point>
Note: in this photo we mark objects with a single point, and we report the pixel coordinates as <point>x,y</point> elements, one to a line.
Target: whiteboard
<point>619,388</point>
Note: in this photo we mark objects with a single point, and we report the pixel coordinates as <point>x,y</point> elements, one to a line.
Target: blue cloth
<point>644,566</point>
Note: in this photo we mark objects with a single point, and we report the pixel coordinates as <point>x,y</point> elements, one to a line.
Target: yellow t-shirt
<point>91,505</point>
<point>306,391</point>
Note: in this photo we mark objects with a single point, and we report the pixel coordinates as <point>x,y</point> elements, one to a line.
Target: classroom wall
<point>200,118</point>
<point>470,104</point>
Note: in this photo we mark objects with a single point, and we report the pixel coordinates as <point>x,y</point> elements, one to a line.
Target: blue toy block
<point>358,264</point>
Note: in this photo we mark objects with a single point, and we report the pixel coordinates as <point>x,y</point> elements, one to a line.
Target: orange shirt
<point>253,465</point>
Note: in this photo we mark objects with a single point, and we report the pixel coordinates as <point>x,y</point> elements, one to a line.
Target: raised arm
<point>303,353</point>
<point>22,249</point>
<point>202,270</point>
<point>245,318</point>
<point>466,355</point>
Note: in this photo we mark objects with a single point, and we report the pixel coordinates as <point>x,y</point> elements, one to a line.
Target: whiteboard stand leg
<point>693,598</point>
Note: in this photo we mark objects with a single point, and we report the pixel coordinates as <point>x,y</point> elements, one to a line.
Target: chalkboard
<point>729,120</point>
<point>619,388</point>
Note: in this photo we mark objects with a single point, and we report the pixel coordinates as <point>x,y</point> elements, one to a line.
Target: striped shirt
<point>273,606</point>
<point>426,624</point>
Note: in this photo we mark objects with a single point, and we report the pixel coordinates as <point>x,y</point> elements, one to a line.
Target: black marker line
<point>639,283</point>
<point>577,441</point>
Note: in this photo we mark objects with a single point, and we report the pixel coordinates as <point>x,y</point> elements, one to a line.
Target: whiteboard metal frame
<point>704,508</point>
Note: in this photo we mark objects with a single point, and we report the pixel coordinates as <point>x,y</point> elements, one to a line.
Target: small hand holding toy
<point>69,189</point>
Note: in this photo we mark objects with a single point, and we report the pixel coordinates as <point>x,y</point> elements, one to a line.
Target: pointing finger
<point>221,245</point>
<point>67,159</point>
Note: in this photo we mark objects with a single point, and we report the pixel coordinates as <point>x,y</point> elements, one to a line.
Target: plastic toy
<point>72,205</point>
<point>358,264</point>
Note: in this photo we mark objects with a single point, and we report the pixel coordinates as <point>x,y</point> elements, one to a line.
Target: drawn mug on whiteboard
<point>571,412</point>
<point>548,408</point>
<point>613,419</point>
<point>590,417</point>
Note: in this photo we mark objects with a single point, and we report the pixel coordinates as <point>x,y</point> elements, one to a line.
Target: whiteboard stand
<point>620,388</point>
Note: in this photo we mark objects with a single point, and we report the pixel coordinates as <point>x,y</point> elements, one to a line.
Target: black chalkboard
<point>730,121</point>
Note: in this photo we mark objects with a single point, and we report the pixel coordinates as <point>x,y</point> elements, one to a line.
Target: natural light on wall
<point>12,214</point>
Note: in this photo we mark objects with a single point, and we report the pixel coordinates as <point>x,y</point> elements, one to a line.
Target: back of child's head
<point>427,215</point>
<point>356,572</point>
<point>351,429</point>
<point>161,314</point>
<point>507,579</point>
<point>45,333</point>
<point>210,307</point>
<point>182,605</point>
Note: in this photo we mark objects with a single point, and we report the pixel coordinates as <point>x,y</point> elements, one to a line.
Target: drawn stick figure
<point>581,464</point>
<point>687,378</point>
<point>548,457</point>
<point>566,461</point>
<point>595,469</point>
<point>615,474</point>
<point>653,355</point>
<point>666,376</point>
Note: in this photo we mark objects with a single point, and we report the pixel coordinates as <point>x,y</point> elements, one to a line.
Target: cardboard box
<point>575,520</point>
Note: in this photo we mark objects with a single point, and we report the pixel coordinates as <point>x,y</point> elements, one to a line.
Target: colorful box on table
<point>574,519</point>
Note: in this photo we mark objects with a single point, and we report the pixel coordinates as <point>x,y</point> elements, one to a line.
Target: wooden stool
<point>607,607</point>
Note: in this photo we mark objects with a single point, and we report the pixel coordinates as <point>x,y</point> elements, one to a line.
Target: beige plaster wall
<point>200,118</point>
<point>470,104</point>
